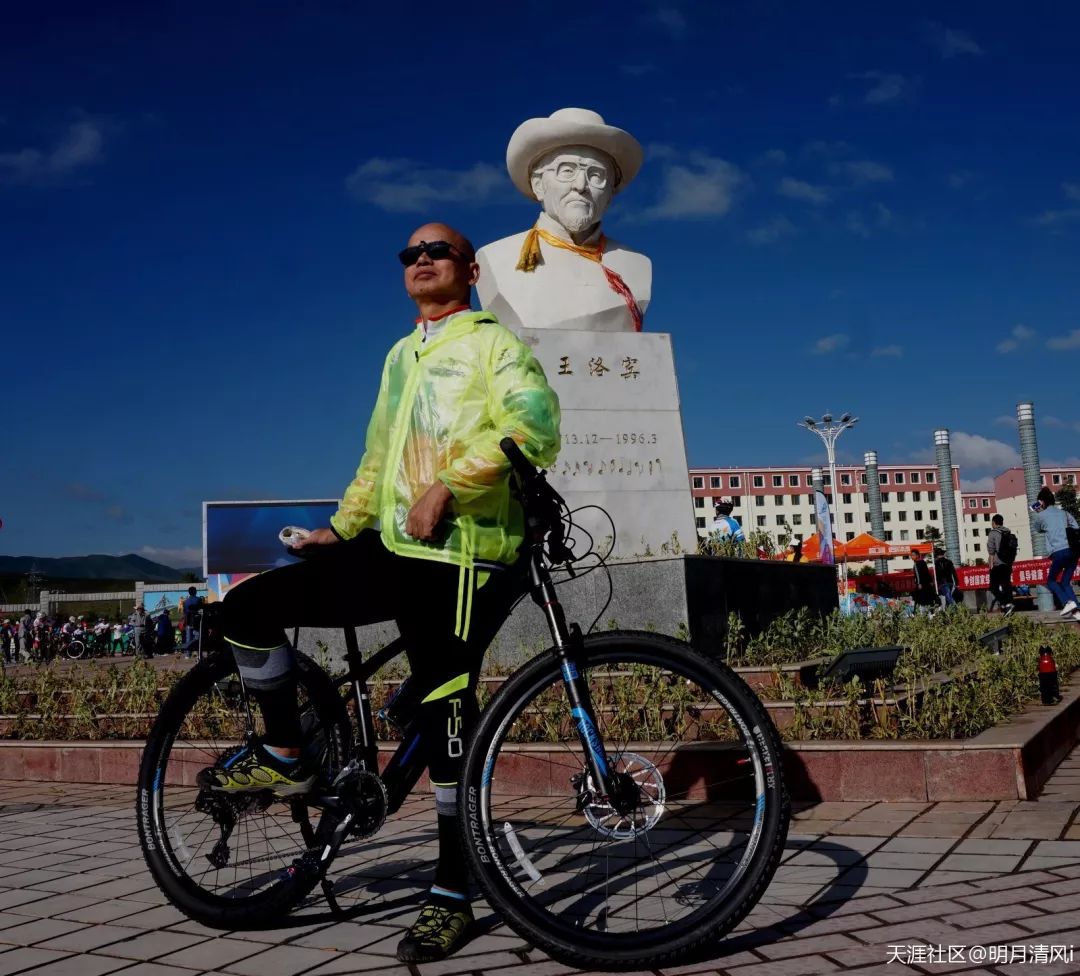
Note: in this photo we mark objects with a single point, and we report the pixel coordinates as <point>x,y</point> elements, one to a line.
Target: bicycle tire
<point>164,848</point>
<point>75,649</point>
<point>508,875</point>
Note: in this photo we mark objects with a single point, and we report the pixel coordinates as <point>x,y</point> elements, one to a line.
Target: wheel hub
<point>638,805</point>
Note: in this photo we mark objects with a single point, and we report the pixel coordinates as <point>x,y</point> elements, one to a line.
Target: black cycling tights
<point>361,582</point>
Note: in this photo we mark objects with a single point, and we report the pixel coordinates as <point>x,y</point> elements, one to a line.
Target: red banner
<point>1025,572</point>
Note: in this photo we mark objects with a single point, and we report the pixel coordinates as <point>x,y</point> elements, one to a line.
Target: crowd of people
<point>40,636</point>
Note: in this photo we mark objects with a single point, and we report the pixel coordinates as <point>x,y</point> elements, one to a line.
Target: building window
<point>810,499</point>
<point>761,521</point>
<point>899,476</point>
<point>901,496</point>
<point>986,518</point>
<point>778,481</point>
<point>904,535</point>
<point>699,501</point>
<point>849,519</point>
<point>846,496</point>
<point>813,518</point>
<point>759,481</point>
<point>733,481</point>
<point>796,519</point>
<point>972,503</point>
<point>902,515</point>
<point>977,547</point>
<point>918,515</point>
<point>918,534</point>
<point>736,501</point>
<point>795,499</point>
<point>888,535</point>
<point>1057,479</point>
<point>780,519</point>
<point>862,478</point>
<point>700,523</point>
<point>931,496</point>
<point>933,513</point>
<point>759,500</point>
<point>845,479</point>
<point>699,482</point>
<point>883,477</point>
<point>884,497</point>
<point>886,516</point>
<point>914,477</point>
<point>778,499</point>
<point>975,532</point>
<point>714,481</point>
<point>930,477</point>
<point>849,536</point>
<point>826,478</point>
<point>793,481</point>
<point>916,496</point>
<point>738,518</point>
<point>986,503</point>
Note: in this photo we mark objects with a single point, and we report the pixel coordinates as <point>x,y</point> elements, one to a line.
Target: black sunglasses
<point>436,250</point>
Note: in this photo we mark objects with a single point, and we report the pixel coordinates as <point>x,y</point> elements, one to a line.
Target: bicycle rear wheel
<point>246,874</point>
<point>597,889</point>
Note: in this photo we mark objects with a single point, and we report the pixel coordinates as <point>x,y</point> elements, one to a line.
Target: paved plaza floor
<point>864,888</point>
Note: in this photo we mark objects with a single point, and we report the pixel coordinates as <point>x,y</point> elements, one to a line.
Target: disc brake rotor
<point>647,811</point>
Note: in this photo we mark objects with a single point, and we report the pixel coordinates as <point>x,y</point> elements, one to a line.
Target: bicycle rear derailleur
<point>226,811</point>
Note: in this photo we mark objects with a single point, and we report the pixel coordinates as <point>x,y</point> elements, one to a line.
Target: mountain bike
<point>622,801</point>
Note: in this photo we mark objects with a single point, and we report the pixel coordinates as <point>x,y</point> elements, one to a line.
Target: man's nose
<point>580,180</point>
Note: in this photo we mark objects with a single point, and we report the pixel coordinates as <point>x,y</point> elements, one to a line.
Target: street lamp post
<point>829,431</point>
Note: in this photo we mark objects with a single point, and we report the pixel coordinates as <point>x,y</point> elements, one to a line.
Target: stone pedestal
<point>622,438</point>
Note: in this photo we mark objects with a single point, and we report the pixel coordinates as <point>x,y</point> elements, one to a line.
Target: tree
<point>931,534</point>
<point>1066,499</point>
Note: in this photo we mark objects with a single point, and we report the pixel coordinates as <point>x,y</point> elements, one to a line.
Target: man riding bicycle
<point>436,483</point>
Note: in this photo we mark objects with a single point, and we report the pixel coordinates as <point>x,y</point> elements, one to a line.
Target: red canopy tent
<point>863,548</point>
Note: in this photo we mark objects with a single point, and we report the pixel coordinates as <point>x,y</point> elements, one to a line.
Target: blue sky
<point>848,208</point>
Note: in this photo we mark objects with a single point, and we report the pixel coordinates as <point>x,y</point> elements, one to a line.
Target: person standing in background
<point>1056,522</point>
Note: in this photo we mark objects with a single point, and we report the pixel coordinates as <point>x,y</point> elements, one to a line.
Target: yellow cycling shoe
<point>253,769</point>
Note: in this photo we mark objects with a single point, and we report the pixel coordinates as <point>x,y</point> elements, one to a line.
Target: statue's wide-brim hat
<point>570,127</point>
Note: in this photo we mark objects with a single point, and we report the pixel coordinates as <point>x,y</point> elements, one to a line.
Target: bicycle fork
<point>619,790</point>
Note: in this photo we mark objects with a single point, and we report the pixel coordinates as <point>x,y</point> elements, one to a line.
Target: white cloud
<point>771,231</point>
<point>878,218</point>
<point>1052,218</point>
<point>181,558</point>
<point>862,171</point>
<point>1005,420</point>
<point>1070,341</point>
<point>885,87</point>
<point>977,484</point>
<point>1019,334</point>
<point>1071,190</point>
<point>402,186</point>
<point>982,453</point>
<point>891,351</point>
<point>693,185</point>
<point>800,190</point>
<point>671,19</point>
<point>831,343</point>
<point>773,157</point>
<point>80,146</point>
<point>950,42</point>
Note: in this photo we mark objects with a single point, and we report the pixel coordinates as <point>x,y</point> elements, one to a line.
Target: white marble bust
<point>563,273</point>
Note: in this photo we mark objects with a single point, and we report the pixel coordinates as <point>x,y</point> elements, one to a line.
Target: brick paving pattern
<point>857,878</point>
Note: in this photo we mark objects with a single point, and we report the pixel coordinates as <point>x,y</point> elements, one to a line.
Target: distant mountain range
<point>130,567</point>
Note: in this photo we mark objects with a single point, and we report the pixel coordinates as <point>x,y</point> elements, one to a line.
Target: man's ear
<point>537,183</point>
<point>474,273</point>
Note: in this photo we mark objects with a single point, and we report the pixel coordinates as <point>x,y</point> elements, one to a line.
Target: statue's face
<point>575,185</point>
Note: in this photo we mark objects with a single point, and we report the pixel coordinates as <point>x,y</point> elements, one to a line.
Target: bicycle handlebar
<point>543,504</point>
<point>518,461</point>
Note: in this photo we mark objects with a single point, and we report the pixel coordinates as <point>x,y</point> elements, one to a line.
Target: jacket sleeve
<point>520,405</point>
<point>359,508</point>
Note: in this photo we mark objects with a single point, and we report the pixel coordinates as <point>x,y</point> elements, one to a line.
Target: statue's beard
<point>577,218</point>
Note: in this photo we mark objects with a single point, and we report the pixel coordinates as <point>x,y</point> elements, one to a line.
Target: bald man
<point>443,561</point>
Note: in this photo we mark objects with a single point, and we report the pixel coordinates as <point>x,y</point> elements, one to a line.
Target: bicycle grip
<point>517,460</point>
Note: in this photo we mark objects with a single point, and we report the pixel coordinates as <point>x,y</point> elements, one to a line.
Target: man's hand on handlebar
<point>431,508</point>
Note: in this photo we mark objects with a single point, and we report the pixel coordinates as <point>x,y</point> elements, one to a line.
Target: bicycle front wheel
<point>230,861</point>
<point>600,889</point>
<point>75,649</point>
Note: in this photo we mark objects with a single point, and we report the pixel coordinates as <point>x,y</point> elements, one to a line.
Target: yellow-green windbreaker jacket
<point>443,407</point>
